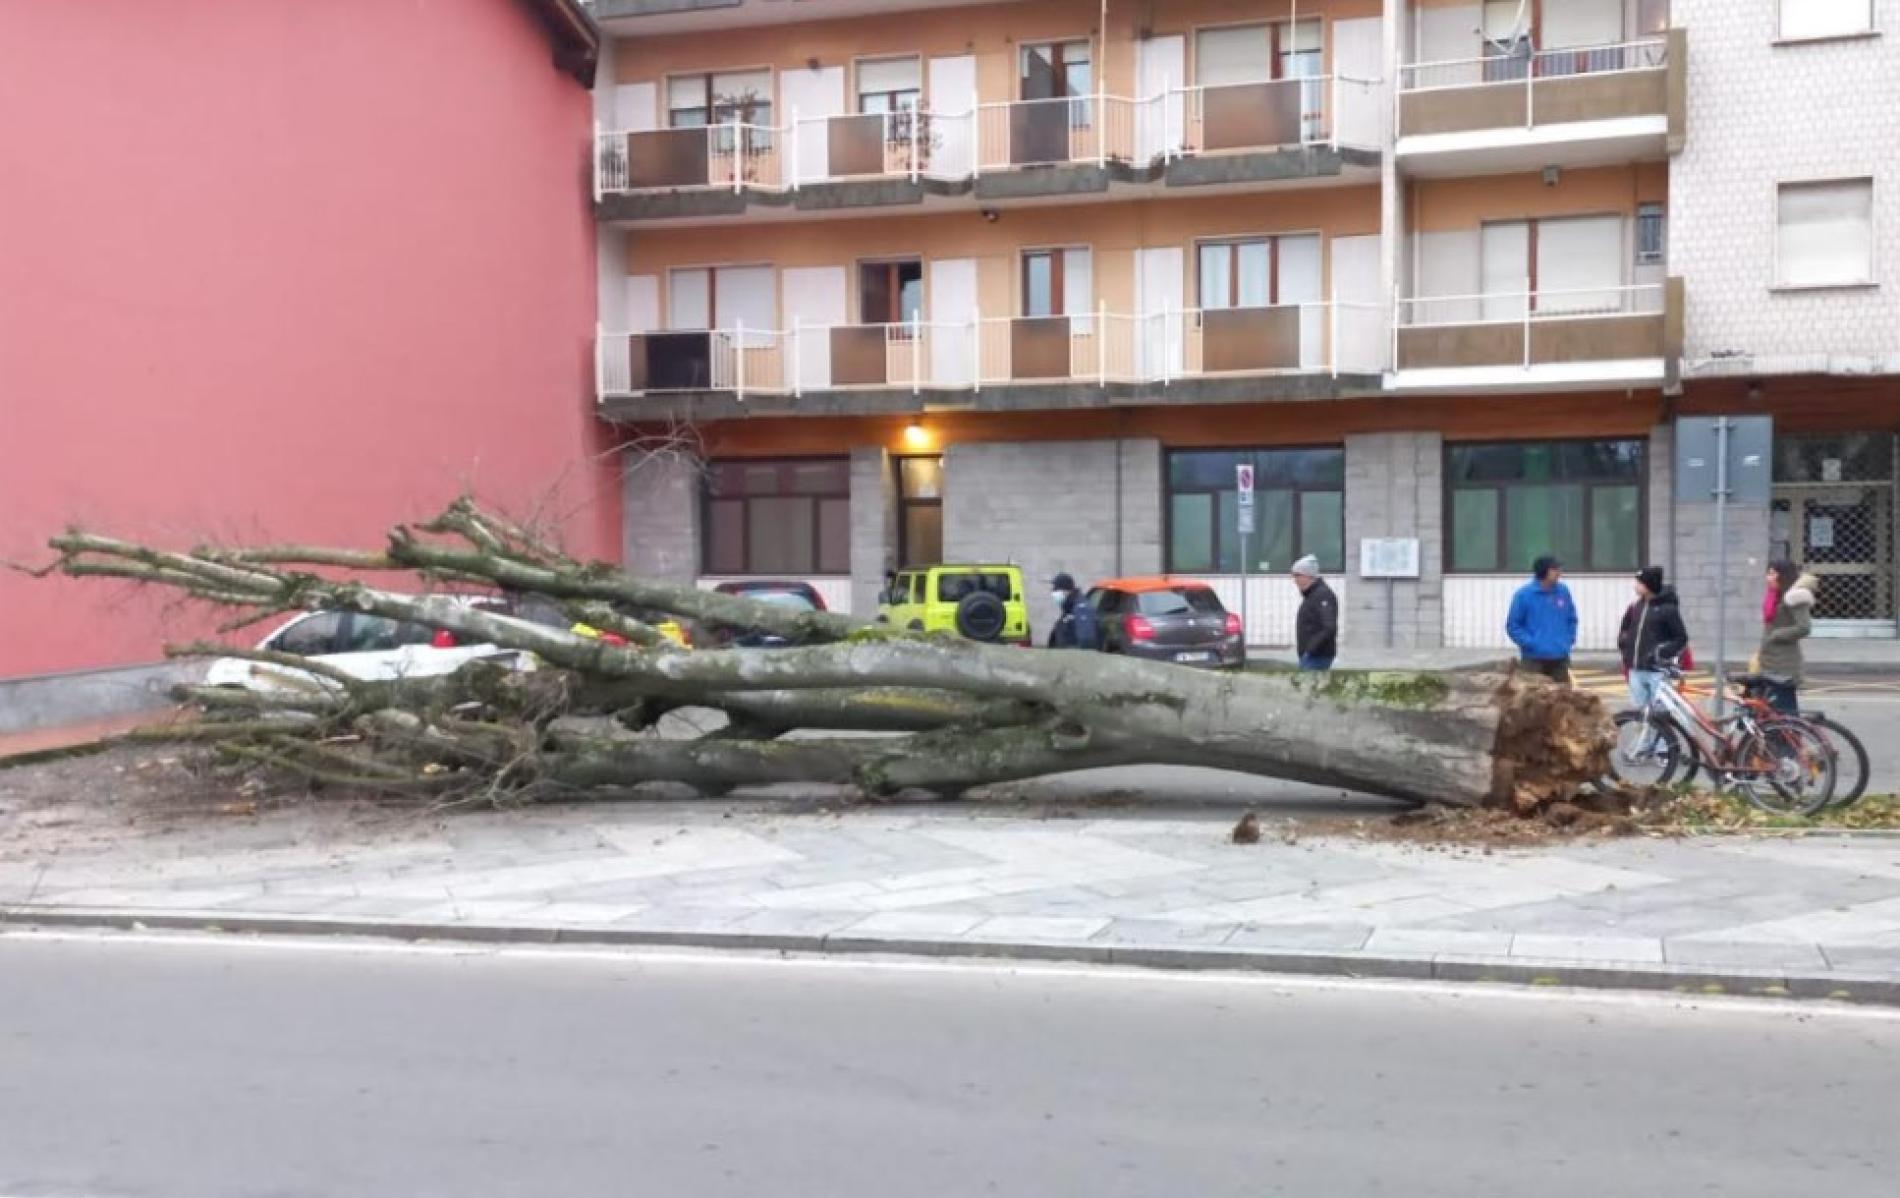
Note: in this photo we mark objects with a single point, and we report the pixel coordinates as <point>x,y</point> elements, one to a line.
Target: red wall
<point>282,269</point>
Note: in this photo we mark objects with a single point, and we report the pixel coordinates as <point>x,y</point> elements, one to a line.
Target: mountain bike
<point>1781,764</point>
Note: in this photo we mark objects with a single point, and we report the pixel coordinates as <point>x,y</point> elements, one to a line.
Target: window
<point>1650,227</point>
<point>1824,234</point>
<point>1256,53</point>
<point>956,587</point>
<point>890,85</point>
<point>1059,283</point>
<point>1511,503</point>
<point>1570,264</point>
<point>1056,70</point>
<point>694,101</point>
<point>312,636</point>
<point>1803,19</point>
<point>725,298</point>
<point>1508,39</point>
<point>891,292</point>
<point>786,516</point>
<point>1258,272</point>
<point>919,511</point>
<point>1299,508</point>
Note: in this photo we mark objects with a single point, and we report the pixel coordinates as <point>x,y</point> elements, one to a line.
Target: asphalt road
<point>140,1067</point>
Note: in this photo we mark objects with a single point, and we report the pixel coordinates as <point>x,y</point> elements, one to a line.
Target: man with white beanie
<point>1316,631</point>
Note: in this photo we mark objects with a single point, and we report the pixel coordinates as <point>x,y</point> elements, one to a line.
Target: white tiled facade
<point>1761,113</point>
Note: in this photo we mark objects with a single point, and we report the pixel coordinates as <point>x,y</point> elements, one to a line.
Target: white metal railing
<point>1100,347</point>
<point>1513,307</point>
<point>1649,54</point>
<point>1524,309</point>
<point>961,144</point>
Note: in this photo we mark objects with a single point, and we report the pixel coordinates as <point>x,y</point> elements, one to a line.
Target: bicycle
<point>1780,764</point>
<point>1846,747</point>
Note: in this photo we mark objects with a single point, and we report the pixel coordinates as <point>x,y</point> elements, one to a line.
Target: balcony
<point>1289,351</point>
<point>1239,134</point>
<point>1571,107</point>
<point>1605,337</point>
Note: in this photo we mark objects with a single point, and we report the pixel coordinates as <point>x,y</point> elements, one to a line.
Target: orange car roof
<point>1159,582</point>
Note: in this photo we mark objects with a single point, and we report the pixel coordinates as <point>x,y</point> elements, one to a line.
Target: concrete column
<point>1142,496</point>
<point>873,525</point>
<point>1395,488</point>
<point>659,515</point>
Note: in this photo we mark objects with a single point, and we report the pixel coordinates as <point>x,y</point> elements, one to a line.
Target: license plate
<point>1187,658</point>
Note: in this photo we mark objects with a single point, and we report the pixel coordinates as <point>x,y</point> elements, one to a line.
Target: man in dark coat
<point>1316,630</point>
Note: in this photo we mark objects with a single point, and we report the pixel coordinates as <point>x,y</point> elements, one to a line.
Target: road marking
<point>756,959</point>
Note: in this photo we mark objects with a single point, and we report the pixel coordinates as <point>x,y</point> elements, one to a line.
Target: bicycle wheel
<point>1648,752</point>
<point>1788,768</point>
<point>1850,759</point>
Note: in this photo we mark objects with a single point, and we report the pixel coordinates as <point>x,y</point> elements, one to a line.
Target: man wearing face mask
<point>1075,625</point>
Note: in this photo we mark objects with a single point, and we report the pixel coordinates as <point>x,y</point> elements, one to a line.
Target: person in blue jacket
<point>1543,621</point>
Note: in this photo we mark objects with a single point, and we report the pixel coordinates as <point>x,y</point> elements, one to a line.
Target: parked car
<point>373,648</point>
<point>1168,619</point>
<point>982,603</point>
<point>800,596</point>
<point>539,609</point>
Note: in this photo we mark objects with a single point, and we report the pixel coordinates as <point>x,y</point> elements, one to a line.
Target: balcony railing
<point>1527,90</point>
<point>1103,347</point>
<point>1177,122</point>
<point>1530,328</point>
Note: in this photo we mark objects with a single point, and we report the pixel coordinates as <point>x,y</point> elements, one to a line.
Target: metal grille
<point>1834,514</point>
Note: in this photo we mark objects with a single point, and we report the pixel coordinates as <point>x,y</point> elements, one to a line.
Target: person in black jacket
<point>1652,636</point>
<point>1316,630</point>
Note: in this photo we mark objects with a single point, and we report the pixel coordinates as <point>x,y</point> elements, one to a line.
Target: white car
<point>373,648</point>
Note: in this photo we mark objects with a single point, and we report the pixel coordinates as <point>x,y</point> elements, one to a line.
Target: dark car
<point>801,596</point>
<point>1168,619</point>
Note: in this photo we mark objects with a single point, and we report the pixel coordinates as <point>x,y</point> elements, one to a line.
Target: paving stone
<point>1302,937</point>
<point>1432,941</point>
<point>1161,931</point>
<point>1038,927</point>
<point>1716,954</point>
<point>915,923</point>
<point>1618,949</point>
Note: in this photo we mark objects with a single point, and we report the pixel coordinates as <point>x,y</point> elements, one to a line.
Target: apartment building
<point>1029,280</point>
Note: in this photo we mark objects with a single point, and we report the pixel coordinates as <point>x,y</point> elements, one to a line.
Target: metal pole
<point>798,374</point>
<point>738,357</point>
<point>1391,611</point>
<point>791,150</point>
<point>1721,565</point>
<point>738,157</point>
<point>1245,553</point>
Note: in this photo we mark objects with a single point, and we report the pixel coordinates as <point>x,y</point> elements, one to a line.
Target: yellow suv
<point>982,603</point>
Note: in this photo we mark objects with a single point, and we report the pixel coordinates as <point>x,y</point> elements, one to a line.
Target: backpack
<point>1084,627</point>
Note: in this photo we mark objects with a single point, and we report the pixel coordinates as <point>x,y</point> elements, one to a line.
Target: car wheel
<point>981,616</point>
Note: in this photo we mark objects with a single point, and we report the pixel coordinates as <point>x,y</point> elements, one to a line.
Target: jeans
<point>1643,687</point>
<point>1313,661</point>
<point>1782,697</point>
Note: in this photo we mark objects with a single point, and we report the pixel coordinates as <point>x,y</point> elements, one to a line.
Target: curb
<point>1869,989</point>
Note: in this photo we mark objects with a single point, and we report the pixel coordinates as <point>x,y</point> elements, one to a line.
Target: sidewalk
<point>1812,917</point>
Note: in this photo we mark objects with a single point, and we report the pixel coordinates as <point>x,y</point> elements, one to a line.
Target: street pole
<point>1721,566</point>
<point>1245,553</point>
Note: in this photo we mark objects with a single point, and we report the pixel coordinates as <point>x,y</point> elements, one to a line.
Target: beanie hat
<point>1308,565</point>
<point>1652,579</point>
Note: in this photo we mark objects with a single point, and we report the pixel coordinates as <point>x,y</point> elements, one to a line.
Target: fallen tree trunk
<point>589,720</point>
